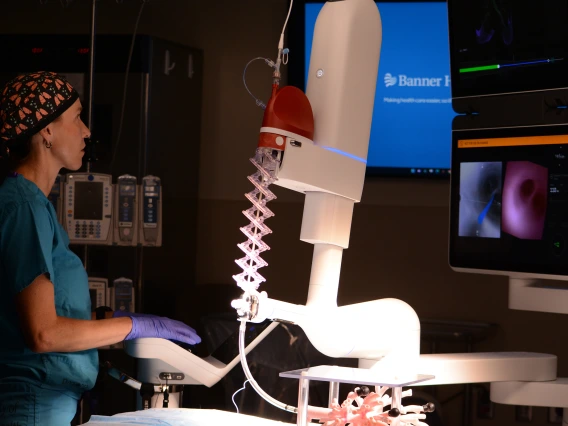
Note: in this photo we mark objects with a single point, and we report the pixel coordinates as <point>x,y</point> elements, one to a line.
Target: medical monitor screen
<point>508,46</point>
<point>88,201</point>
<point>509,204</point>
<point>411,128</point>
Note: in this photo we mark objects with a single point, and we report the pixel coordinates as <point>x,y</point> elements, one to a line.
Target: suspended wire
<point>235,394</point>
<point>288,17</point>
<point>126,83</point>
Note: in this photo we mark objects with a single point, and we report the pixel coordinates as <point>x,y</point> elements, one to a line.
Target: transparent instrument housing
<point>267,162</point>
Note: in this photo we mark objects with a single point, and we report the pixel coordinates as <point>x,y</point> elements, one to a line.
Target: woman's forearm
<point>73,335</point>
<point>44,331</point>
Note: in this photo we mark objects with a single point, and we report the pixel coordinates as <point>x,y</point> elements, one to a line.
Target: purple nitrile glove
<point>119,314</point>
<point>165,328</point>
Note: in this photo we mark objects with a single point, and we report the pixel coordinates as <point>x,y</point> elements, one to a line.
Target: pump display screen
<point>508,46</point>
<point>509,209</point>
<point>88,201</point>
<point>128,189</point>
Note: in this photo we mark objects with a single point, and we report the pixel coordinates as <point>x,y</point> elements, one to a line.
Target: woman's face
<point>69,134</point>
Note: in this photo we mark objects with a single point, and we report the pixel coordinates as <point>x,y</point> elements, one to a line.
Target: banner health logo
<point>406,81</point>
<point>390,80</point>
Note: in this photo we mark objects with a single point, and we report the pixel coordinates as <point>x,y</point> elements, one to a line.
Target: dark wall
<point>399,235</point>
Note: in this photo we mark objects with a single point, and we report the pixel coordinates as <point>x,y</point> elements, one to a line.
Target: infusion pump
<point>125,211</point>
<point>119,295</point>
<point>94,211</point>
<point>151,211</point>
<point>87,208</point>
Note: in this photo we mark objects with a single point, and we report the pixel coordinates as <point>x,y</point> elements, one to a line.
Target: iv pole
<point>90,120</point>
<point>90,113</point>
<point>90,105</point>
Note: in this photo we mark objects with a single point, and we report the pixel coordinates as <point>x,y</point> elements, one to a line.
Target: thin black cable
<point>126,84</point>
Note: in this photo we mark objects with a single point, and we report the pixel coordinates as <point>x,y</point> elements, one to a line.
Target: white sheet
<point>181,417</point>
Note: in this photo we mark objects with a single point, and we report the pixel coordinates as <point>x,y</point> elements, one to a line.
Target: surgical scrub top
<point>32,243</point>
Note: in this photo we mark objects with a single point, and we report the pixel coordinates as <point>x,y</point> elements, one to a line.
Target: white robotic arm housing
<point>330,170</point>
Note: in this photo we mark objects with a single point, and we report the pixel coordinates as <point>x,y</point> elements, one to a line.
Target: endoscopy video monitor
<point>509,200</point>
<point>508,46</point>
<point>412,116</point>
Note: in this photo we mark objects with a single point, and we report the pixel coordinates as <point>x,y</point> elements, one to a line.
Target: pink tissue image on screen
<point>525,194</point>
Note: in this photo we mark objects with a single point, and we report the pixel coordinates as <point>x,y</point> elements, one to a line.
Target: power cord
<point>288,17</point>
<point>282,53</point>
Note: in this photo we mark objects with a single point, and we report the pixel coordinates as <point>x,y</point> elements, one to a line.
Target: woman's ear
<point>47,133</point>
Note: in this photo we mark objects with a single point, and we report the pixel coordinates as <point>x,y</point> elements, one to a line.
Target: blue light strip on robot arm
<point>345,154</point>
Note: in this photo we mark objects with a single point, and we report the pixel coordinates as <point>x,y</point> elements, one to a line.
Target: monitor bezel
<point>466,98</point>
<point>456,259</point>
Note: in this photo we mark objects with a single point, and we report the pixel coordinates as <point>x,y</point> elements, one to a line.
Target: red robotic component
<point>288,115</point>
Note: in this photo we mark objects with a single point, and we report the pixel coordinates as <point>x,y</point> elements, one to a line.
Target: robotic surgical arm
<point>317,144</point>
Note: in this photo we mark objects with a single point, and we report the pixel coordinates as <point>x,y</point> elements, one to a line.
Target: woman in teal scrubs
<point>47,335</point>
